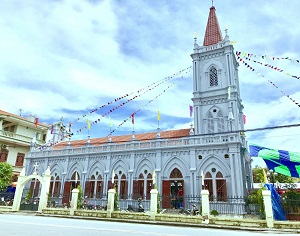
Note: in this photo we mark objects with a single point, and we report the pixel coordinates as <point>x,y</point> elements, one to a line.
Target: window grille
<point>213,77</point>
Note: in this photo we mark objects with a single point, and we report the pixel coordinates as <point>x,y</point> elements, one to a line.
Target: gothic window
<point>216,186</point>
<point>140,185</point>
<point>99,186</point>
<point>92,187</point>
<point>75,180</point>
<point>176,174</point>
<point>221,123</point>
<point>123,187</point>
<point>221,187</point>
<point>56,189</point>
<point>210,123</point>
<point>149,185</point>
<point>213,77</point>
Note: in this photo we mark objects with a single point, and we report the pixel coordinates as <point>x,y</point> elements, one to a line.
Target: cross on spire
<point>212,2</point>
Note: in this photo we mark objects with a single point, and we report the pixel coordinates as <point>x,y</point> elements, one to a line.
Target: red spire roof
<point>213,33</point>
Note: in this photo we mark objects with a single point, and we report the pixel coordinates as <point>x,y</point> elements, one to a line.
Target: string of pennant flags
<point>133,114</point>
<point>155,84</point>
<point>241,56</point>
<point>117,107</point>
<point>246,54</point>
<point>89,123</point>
<point>270,66</point>
<point>273,84</point>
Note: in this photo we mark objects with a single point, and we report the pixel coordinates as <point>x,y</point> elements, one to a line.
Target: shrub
<point>214,213</point>
<point>79,200</point>
<point>290,201</point>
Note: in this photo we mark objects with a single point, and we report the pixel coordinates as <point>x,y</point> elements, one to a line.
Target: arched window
<point>92,187</point>
<point>213,77</point>
<point>221,187</point>
<point>210,123</point>
<point>216,185</point>
<point>140,186</point>
<point>99,187</point>
<point>221,123</point>
<point>175,174</point>
<point>149,185</point>
<point>75,180</point>
<point>123,187</point>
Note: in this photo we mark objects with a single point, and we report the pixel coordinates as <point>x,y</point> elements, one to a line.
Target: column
<point>268,208</point>
<point>205,206</point>
<point>110,202</point>
<point>153,203</point>
<point>74,200</point>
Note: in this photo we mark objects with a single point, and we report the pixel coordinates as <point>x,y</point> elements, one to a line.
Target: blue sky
<point>65,58</point>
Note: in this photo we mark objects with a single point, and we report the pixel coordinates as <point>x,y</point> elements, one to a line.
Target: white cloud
<point>64,58</point>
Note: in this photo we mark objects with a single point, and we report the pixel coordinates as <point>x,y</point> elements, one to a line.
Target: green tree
<point>5,175</point>
<point>79,200</point>
<point>258,176</point>
<point>116,200</point>
<point>158,199</point>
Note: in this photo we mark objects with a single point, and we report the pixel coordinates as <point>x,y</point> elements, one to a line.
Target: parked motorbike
<point>193,212</point>
<point>139,208</point>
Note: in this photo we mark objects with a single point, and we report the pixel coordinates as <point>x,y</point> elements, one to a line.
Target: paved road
<point>31,225</point>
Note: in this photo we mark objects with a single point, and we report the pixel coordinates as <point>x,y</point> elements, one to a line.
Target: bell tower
<point>216,94</point>
<point>218,110</point>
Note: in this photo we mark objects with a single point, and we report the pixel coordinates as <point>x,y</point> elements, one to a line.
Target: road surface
<point>31,225</point>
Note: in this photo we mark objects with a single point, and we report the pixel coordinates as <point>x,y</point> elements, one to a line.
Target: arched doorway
<point>173,190</point>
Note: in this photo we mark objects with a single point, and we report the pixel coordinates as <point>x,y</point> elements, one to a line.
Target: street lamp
<point>272,176</point>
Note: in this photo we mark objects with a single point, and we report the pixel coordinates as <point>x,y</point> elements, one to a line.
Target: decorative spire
<point>213,33</point>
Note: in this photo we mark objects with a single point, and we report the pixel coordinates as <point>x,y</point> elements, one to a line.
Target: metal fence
<point>229,206</point>
<point>30,199</point>
<point>169,204</point>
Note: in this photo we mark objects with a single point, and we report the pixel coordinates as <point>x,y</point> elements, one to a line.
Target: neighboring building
<point>18,134</point>
<point>178,157</point>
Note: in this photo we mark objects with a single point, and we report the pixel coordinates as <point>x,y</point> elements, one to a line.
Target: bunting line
<point>272,67</point>
<point>120,105</point>
<point>128,94</point>
<point>128,118</point>
<point>117,107</point>
<point>246,54</point>
<point>273,84</point>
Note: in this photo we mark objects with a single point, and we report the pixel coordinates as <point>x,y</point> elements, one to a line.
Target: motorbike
<point>193,212</point>
<point>139,208</point>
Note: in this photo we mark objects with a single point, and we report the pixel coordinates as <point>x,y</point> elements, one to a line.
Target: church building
<point>213,151</point>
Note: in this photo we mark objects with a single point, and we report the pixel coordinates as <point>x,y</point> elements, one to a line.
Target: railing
<point>229,206</point>
<point>18,137</point>
<point>139,145</point>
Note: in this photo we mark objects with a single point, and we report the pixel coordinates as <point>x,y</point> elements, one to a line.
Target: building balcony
<point>16,139</point>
